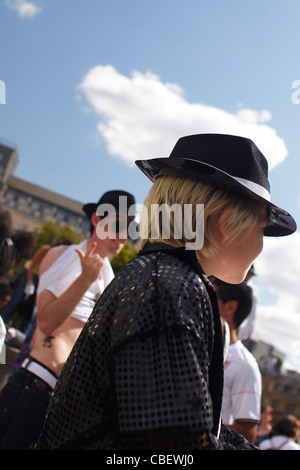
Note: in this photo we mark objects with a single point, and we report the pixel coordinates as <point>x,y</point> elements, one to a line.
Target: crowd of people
<point>153,357</point>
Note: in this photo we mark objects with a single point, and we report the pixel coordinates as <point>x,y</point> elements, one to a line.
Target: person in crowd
<point>147,370</point>
<point>71,279</point>
<point>242,377</point>
<point>5,296</point>
<point>15,247</point>
<point>285,434</point>
<point>265,425</point>
<point>2,340</point>
<point>24,285</point>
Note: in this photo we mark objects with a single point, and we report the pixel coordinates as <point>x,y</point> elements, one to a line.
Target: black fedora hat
<point>228,160</point>
<point>112,198</point>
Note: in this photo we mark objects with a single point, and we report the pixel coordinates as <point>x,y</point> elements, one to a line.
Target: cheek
<point>255,245</point>
<point>260,243</point>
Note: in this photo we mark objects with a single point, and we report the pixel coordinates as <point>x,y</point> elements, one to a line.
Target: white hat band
<point>254,187</point>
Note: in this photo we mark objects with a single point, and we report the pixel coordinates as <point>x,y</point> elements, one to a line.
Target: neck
<point>233,336</point>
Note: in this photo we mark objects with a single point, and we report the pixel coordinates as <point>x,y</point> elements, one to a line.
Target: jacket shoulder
<point>156,291</point>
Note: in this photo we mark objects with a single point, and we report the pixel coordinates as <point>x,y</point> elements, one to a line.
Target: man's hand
<point>91,263</point>
<point>53,311</point>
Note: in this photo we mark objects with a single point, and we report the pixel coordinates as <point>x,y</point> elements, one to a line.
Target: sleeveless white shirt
<point>63,272</point>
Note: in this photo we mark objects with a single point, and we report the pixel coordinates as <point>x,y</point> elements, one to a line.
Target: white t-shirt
<point>242,386</point>
<point>279,443</point>
<point>63,272</point>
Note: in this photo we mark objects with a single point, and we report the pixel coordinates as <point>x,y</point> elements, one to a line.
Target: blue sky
<point>93,85</point>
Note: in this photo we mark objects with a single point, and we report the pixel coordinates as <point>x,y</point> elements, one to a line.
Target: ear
<point>95,219</point>
<point>218,225</point>
<point>222,222</point>
<point>229,309</point>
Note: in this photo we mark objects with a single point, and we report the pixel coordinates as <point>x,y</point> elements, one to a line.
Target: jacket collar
<point>188,256</point>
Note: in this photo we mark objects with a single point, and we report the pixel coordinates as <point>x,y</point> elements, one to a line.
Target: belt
<point>39,371</point>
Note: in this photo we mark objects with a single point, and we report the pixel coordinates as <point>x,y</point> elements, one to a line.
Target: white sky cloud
<point>278,273</point>
<point>279,325</point>
<point>23,8</point>
<point>142,117</point>
<point>278,266</point>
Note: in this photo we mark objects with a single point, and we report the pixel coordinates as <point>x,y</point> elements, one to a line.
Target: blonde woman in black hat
<point>71,279</point>
<point>147,370</point>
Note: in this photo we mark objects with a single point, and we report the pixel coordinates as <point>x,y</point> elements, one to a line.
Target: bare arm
<point>53,311</point>
<point>248,429</point>
<point>36,260</point>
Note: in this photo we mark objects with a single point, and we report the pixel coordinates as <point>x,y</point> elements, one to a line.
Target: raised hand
<point>91,262</point>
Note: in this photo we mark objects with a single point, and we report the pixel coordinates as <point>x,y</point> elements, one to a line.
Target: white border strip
<point>254,187</point>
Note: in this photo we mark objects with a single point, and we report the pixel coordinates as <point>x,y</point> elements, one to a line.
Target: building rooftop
<point>45,194</point>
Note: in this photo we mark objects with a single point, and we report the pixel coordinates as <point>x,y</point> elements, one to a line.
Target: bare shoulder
<point>52,255</point>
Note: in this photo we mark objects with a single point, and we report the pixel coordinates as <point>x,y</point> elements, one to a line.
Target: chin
<point>115,250</point>
<point>233,278</point>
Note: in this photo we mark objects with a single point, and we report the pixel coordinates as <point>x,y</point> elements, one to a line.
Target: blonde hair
<point>175,188</point>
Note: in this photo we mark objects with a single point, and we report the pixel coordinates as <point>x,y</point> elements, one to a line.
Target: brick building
<point>31,205</point>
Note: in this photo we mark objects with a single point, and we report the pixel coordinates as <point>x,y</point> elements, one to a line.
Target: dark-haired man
<point>242,378</point>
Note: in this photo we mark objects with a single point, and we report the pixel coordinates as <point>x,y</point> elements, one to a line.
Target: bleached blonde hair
<point>174,187</point>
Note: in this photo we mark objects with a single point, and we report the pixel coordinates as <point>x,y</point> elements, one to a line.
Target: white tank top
<point>63,272</point>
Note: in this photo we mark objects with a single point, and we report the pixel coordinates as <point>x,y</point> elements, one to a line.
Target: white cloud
<point>24,8</point>
<point>278,324</point>
<point>278,267</point>
<point>278,274</point>
<point>142,117</point>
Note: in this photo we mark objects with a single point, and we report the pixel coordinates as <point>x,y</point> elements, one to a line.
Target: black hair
<point>286,425</point>
<point>242,293</point>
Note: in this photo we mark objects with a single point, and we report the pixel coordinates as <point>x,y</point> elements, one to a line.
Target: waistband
<point>40,371</point>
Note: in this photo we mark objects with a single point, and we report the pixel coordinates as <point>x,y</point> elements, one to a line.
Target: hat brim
<point>281,223</point>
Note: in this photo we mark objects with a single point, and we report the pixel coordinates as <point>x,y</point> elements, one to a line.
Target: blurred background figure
<point>16,246</point>
<point>5,296</point>
<point>242,378</point>
<point>24,285</point>
<point>265,425</point>
<point>285,433</point>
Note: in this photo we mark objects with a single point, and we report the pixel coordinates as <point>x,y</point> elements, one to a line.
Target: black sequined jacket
<point>147,369</point>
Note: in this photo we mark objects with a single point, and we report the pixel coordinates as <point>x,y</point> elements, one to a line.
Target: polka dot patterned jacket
<point>147,369</point>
